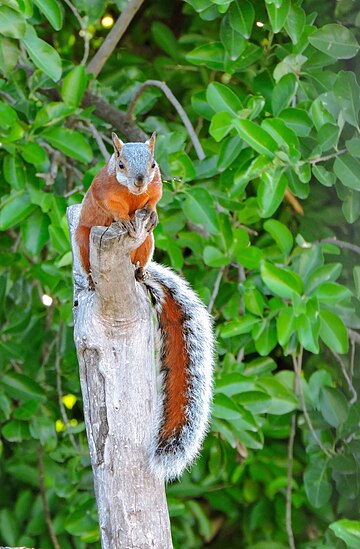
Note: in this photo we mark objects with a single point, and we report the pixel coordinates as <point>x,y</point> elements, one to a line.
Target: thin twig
<point>354,336</point>
<point>346,376</point>
<point>297,369</point>
<point>339,243</point>
<point>59,391</point>
<point>288,520</point>
<point>83,32</point>
<point>216,288</point>
<point>328,157</point>
<point>96,134</point>
<point>44,501</point>
<point>293,201</point>
<point>112,39</point>
<point>352,357</point>
<point>181,112</point>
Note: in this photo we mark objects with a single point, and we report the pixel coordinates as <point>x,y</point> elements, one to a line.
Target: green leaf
<point>278,14</point>
<point>256,137</point>
<point>348,531</point>
<point>254,301</point>
<point>307,329</point>
<point>52,12</point>
<point>280,234</point>
<point>347,170</point>
<point>353,146</point>
<point>221,125</point>
<point>285,325</point>
<point>70,142</point>
<point>8,116</point>
<point>51,114</point>
<point>14,171</point>
<point>333,332</point>
<point>283,400</point>
<point>333,406</point>
<point>335,40</point>
<point>211,55</point>
<point>331,293</point>
<point>325,273</point>
<point>12,23</point>
<point>281,282</point>
<point>214,257</point>
<point>18,206</point>
<point>74,86</point>
<point>16,431</point>
<point>271,192</point>
<point>356,273</point>
<point>222,99</point>
<point>346,92</point>
<point>242,16</point>
<point>284,136</point>
<point>22,387</point>
<point>297,120</point>
<point>264,335</point>
<point>9,53</point>
<point>283,93</point>
<point>328,136</point>
<point>33,153</point>
<point>35,232</point>
<point>44,56</point>
<point>232,40</point>
<point>200,209</point>
<point>165,39</point>
<point>295,22</point>
<point>326,178</point>
<point>242,325</point>
<point>317,487</point>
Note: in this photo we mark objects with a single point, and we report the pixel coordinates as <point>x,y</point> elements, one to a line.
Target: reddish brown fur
<point>107,201</point>
<point>175,364</point>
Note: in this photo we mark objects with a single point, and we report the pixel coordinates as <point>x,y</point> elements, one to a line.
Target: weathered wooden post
<point>114,338</point>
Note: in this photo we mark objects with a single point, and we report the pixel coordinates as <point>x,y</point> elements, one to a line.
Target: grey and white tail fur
<point>169,456</point>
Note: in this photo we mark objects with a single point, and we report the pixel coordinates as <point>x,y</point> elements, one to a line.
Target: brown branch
<point>112,39</point>
<point>117,119</point>
<point>289,197</point>
<point>339,243</point>
<point>181,112</point>
<point>44,501</point>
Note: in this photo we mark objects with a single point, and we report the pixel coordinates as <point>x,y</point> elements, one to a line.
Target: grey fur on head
<point>169,460</point>
<point>133,163</point>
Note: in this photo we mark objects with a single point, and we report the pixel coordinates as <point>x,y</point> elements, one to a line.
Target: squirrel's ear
<point>151,142</point>
<point>118,144</point>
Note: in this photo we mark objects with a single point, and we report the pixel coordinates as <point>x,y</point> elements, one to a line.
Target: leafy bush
<point>263,227</point>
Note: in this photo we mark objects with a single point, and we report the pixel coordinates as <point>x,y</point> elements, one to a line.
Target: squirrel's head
<point>133,163</point>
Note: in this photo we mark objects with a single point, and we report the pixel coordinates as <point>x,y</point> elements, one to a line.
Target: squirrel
<point>130,181</point>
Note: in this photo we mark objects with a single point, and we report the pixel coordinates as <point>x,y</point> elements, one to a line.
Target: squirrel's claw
<point>91,285</point>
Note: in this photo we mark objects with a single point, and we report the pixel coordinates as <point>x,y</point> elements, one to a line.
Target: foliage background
<point>276,108</point>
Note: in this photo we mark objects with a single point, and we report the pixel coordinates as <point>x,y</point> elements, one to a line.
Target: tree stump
<point>114,338</point>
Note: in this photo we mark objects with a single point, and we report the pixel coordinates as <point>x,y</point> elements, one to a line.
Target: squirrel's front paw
<point>141,273</point>
<point>129,227</point>
<point>90,282</point>
<point>150,215</point>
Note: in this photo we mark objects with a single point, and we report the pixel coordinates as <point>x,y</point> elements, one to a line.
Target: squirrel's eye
<point>153,165</point>
<point>121,165</point>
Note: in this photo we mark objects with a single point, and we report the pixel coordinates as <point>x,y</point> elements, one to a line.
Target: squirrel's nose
<point>139,180</point>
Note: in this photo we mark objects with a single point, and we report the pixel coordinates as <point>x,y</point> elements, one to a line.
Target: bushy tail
<point>186,367</point>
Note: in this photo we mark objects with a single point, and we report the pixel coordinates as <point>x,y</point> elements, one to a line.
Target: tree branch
<point>288,520</point>
<point>98,61</point>
<point>216,288</point>
<point>339,243</point>
<point>181,112</point>
<point>83,33</point>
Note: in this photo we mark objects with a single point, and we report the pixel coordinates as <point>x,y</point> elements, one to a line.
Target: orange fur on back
<point>107,201</point>
<point>174,363</point>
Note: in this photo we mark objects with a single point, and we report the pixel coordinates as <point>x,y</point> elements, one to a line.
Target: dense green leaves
<point>251,227</point>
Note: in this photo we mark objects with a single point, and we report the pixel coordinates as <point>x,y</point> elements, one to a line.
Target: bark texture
<point>114,338</point>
